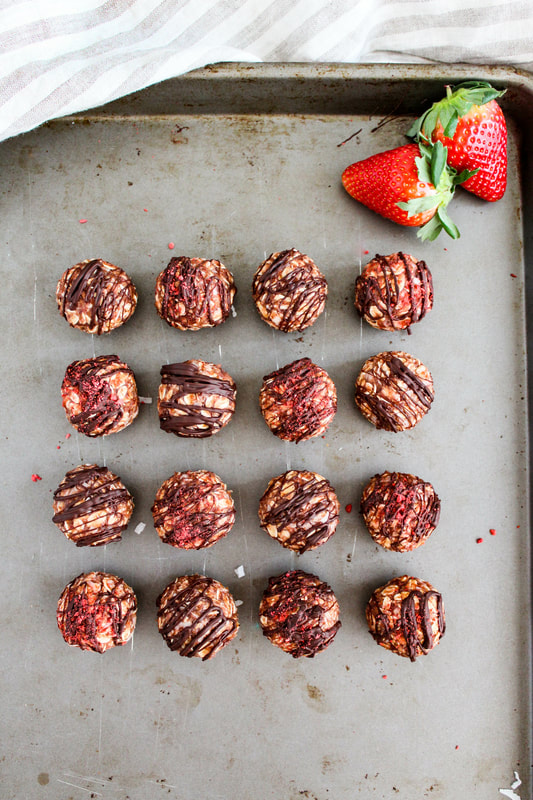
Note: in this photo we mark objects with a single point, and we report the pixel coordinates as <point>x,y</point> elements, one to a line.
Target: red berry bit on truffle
<point>197,616</point>
<point>97,611</point>
<point>193,510</point>
<point>300,509</point>
<point>196,398</point>
<point>299,613</point>
<point>100,395</point>
<point>406,616</point>
<point>194,293</point>
<point>298,401</point>
<point>400,510</point>
<point>393,292</point>
<point>96,296</point>
<point>289,291</point>
<point>394,391</point>
<point>92,506</point>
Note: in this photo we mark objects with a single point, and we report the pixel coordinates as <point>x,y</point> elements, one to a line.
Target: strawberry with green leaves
<point>470,124</point>
<point>411,185</point>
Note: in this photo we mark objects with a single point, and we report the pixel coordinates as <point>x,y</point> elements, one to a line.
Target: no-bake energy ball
<point>194,293</point>
<point>92,506</point>
<point>197,616</point>
<point>400,510</point>
<point>394,390</point>
<point>289,291</point>
<point>299,613</point>
<point>96,296</point>
<point>298,401</point>
<point>100,395</point>
<point>193,510</point>
<point>97,611</point>
<point>393,292</point>
<point>300,509</point>
<point>196,398</point>
<point>406,616</point>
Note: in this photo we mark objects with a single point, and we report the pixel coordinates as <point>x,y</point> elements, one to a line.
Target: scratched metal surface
<point>199,162</point>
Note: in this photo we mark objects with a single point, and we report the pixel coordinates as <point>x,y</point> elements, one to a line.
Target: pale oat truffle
<point>100,395</point>
<point>393,292</point>
<point>96,296</point>
<point>194,293</point>
<point>289,291</point>
<point>300,509</point>
<point>298,401</point>
<point>97,611</point>
<point>400,510</point>
<point>406,616</point>
<point>394,391</point>
<point>193,510</point>
<point>196,398</point>
<point>299,613</point>
<point>197,616</point>
<point>92,506</point>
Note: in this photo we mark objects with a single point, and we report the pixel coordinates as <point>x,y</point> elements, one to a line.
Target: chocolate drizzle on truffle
<point>412,617</point>
<point>89,496</point>
<point>105,291</point>
<point>192,293</point>
<point>289,290</point>
<point>191,620</point>
<point>394,292</point>
<point>194,417</point>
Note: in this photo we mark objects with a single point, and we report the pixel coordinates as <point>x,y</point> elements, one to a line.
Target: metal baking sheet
<point>234,162</point>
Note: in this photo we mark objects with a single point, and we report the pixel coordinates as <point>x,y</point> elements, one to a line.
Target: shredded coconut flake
<point>238,602</point>
<point>239,571</point>
<point>510,793</point>
<point>233,312</point>
<point>145,399</point>
<point>140,527</point>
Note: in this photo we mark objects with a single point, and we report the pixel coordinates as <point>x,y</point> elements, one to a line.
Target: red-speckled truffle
<point>400,510</point>
<point>193,510</point>
<point>97,611</point>
<point>393,292</point>
<point>298,401</point>
<point>406,616</point>
<point>299,613</point>
<point>197,616</point>
<point>194,293</point>
<point>100,395</point>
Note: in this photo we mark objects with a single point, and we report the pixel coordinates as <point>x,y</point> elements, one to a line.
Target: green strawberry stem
<point>433,168</point>
<point>458,102</point>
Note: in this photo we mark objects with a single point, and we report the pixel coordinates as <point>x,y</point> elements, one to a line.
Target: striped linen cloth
<point>58,57</point>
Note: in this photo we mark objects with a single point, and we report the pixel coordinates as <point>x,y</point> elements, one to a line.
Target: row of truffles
<point>194,509</point>
<point>394,391</point>
<point>298,613</point>
<point>288,289</point>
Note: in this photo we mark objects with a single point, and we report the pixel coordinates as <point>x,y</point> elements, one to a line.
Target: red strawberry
<point>470,124</point>
<point>410,185</point>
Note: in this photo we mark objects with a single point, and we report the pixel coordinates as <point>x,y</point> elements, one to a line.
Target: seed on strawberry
<point>471,125</point>
<point>410,185</point>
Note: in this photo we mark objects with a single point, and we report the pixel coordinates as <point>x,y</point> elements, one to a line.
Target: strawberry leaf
<point>449,226</point>
<point>438,162</point>
<point>423,167</point>
<point>430,230</point>
<point>417,205</point>
<point>464,176</point>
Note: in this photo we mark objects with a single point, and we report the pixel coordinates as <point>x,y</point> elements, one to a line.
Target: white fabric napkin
<point>59,57</point>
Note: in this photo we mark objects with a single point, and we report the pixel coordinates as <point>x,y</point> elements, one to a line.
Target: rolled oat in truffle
<point>97,611</point>
<point>394,390</point>
<point>92,506</point>
<point>393,292</point>
<point>300,509</point>
<point>400,510</point>
<point>289,291</point>
<point>100,395</point>
<point>96,296</point>
<point>406,616</point>
<point>299,613</point>
<point>196,398</point>
<point>197,616</point>
<point>193,510</point>
<point>194,293</point>
<point>298,401</point>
